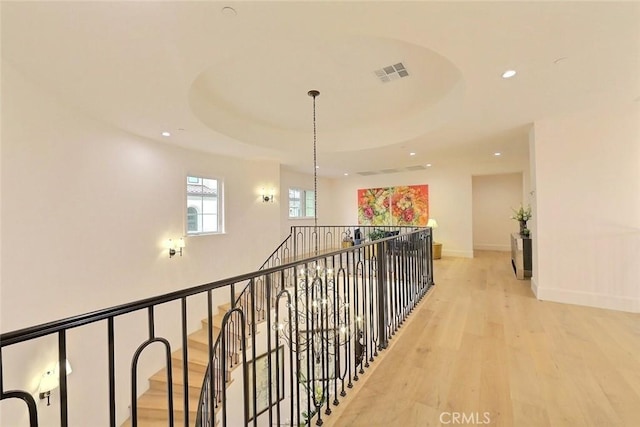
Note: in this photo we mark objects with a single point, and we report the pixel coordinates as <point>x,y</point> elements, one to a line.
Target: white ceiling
<point>237,84</point>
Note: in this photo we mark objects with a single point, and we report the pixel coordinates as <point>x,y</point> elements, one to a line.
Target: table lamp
<point>437,247</point>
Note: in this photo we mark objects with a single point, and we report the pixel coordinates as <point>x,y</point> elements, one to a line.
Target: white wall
<point>449,203</point>
<point>494,197</point>
<point>85,212</point>
<point>587,218</point>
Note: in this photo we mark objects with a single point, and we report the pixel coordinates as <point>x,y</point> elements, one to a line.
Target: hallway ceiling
<point>232,77</point>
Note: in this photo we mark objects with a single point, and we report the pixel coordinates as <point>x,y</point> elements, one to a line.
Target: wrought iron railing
<point>374,285</point>
<point>367,290</point>
<point>303,242</point>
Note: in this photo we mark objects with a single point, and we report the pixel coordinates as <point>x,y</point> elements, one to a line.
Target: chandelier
<point>318,319</point>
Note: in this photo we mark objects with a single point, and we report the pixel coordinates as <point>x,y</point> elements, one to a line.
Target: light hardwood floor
<point>481,348</point>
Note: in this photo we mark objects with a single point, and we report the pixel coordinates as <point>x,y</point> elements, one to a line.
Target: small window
<point>204,205</point>
<point>301,203</point>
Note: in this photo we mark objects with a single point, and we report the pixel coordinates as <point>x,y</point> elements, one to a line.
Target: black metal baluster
<point>359,301</point>
<point>112,372</point>
<point>341,351</point>
<point>326,333</point>
<point>371,297</point>
<point>382,299</point>
<point>307,325</point>
<point>392,279</point>
<point>254,396</point>
<point>212,388</point>
<point>269,283</point>
<point>185,361</point>
<point>224,351</point>
<point>24,396</point>
<point>369,294</point>
<point>62,360</point>
<point>134,371</point>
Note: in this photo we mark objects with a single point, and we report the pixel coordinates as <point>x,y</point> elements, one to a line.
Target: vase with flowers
<point>522,215</point>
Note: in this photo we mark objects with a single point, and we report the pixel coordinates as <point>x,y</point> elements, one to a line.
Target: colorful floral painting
<point>404,205</point>
<point>373,206</point>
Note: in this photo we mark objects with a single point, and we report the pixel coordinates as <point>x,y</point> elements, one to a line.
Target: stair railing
<point>380,282</point>
<point>303,242</point>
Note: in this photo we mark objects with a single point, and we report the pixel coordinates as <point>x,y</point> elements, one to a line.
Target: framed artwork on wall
<point>402,205</point>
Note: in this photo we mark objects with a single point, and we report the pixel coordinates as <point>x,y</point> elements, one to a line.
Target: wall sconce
<point>175,247</point>
<point>267,197</point>
<point>50,380</point>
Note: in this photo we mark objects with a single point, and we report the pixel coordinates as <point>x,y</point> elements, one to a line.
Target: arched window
<point>192,219</point>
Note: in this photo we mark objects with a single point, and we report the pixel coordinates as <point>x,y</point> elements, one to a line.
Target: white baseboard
<point>534,286</point>
<point>500,248</point>
<point>590,299</point>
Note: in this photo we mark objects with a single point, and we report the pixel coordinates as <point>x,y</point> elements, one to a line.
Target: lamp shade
<point>432,223</point>
<point>180,243</point>
<point>50,380</point>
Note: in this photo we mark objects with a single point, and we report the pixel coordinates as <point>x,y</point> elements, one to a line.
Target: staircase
<point>153,404</point>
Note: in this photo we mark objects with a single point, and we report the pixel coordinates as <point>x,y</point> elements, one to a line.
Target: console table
<point>521,255</point>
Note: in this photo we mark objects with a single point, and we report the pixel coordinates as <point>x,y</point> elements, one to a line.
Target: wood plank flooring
<point>481,350</point>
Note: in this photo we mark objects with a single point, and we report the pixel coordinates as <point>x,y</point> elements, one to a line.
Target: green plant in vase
<point>376,234</point>
<point>522,215</point>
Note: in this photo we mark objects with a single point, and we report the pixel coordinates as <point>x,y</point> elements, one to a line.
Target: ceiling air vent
<point>380,172</point>
<point>391,72</point>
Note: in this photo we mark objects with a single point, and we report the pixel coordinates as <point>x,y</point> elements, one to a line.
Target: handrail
<point>264,264</point>
<point>342,229</point>
<point>37,331</point>
<point>291,237</point>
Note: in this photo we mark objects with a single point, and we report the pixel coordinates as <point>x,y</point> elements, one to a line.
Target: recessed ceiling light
<point>346,174</point>
<point>165,133</point>
<point>317,167</point>
<point>497,153</point>
<point>508,74</point>
<point>412,154</point>
<point>428,165</point>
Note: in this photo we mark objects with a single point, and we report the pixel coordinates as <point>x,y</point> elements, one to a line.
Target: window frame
<point>201,213</point>
<point>302,201</point>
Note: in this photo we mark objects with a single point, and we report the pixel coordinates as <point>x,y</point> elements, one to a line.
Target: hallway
<point>481,350</point>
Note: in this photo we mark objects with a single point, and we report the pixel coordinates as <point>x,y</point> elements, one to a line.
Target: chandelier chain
<point>314,93</point>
